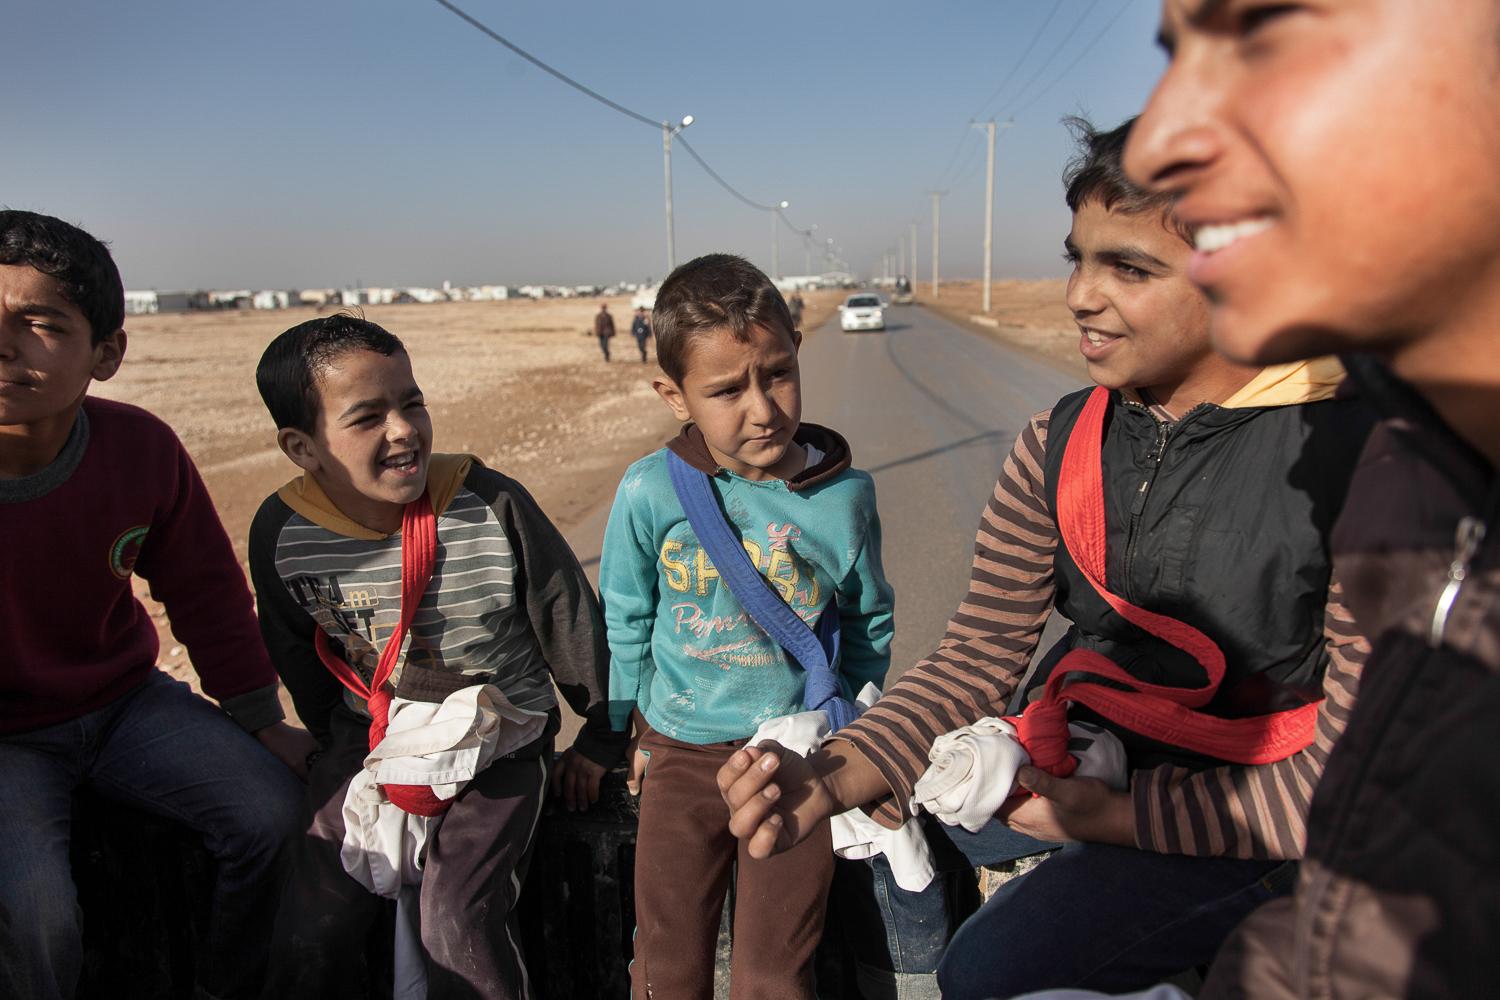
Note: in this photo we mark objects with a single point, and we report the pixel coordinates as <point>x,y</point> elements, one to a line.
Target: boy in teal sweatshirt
<point>695,673</point>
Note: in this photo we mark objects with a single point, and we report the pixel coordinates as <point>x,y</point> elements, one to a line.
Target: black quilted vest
<point>1221,520</point>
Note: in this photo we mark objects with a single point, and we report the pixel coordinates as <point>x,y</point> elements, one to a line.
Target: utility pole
<point>667,131</point>
<point>776,239</point>
<point>913,256</point>
<point>666,156</point>
<point>989,205</point>
<point>936,236</point>
<point>903,256</point>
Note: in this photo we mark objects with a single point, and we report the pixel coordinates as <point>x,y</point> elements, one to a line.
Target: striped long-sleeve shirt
<point>1229,811</point>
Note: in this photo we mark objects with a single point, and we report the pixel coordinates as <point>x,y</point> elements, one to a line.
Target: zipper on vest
<point>1466,544</point>
<point>1138,502</point>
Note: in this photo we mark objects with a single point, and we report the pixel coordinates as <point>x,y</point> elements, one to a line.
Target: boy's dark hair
<point>288,371</point>
<point>1097,173</point>
<point>718,291</point>
<point>79,263</point>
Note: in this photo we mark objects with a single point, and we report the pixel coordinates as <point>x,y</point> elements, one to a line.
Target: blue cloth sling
<point>816,651</point>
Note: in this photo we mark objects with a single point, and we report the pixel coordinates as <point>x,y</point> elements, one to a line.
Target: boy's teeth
<point>1209,239</point>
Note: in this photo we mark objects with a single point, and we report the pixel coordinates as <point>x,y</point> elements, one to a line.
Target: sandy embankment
<point>1029,314</point>
<point>521,384</point>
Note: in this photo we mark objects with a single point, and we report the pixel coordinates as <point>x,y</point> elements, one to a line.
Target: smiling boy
<point>1337,164</point>
<point>92,494</point>
<point>1219,484</point>
<point>367,639</point>
<point>698,675</point>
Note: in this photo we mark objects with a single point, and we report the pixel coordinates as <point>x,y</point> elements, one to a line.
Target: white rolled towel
<point>441,744</point>
<point>856,835</point>
<point>972,771</point>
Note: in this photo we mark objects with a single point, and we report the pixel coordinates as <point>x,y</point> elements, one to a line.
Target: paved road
<point>931,410</point>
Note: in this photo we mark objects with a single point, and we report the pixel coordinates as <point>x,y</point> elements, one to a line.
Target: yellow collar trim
<point>1290,384</point>
<point>445,474</point>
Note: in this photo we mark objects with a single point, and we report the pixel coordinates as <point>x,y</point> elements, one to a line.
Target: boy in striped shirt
<point>502,611</point>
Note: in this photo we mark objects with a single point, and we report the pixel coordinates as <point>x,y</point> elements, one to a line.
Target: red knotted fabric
<point>418,559</point>
<point>1161,712</point>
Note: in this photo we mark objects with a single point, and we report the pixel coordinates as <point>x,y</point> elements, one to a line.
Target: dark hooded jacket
<point>1400,891</point>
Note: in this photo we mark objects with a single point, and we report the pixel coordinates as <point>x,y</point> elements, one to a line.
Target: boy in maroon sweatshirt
<point>91,493</point>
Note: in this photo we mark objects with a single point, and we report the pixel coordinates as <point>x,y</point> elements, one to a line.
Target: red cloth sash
<point>1161,712</point>
<point>418,558</point>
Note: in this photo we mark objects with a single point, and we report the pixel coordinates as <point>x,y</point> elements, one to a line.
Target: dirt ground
<point>519,383</point>
<point>1029,314</point>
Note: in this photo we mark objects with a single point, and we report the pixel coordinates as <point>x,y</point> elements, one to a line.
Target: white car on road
<point>862,312</point>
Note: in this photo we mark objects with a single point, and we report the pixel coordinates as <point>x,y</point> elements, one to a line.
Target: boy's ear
<point>108,354</point>
<point>671,394</point>
<point>297,445</point>
<point>796,340</point>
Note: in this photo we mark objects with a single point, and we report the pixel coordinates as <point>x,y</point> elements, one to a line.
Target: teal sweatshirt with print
<point>682,648</point>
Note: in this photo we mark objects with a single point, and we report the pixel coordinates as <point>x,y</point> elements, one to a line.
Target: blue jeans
<point>1093,916</point>
<point>162,749</point>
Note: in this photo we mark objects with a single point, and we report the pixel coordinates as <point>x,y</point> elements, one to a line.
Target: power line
<point>565,78</point>
<point>715,175</point>
<point>1076,59</point>
<point>973,168</point>
<point>807,233</point>
<point>954,159</point>
<point>1050,57</point>
<point>1018,63</point>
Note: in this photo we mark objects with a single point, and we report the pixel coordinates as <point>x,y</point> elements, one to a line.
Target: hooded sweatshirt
<point>1220,519</point>
<point>682,647</point>
<point>508,603</point>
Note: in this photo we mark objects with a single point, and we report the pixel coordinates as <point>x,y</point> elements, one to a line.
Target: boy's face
<point>370,448</point>
<point>746,398</point>
<point>47,354</point>
<point>1338,161</point>
<point>1142,323</point>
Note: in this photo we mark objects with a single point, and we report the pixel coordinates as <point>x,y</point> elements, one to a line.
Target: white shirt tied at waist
<point>426,743</point>
<point>856,835</point>
<point>972,770</point>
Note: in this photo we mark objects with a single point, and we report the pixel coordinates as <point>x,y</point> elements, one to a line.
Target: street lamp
<point>667,131</point>
<point>776,239</point>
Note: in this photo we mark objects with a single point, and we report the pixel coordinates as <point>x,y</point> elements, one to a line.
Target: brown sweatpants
<point>682,869</point>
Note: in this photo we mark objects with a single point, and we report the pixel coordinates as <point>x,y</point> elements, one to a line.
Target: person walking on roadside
<point>640,329</point>
<point>795,305</point>
<point>604,328</point>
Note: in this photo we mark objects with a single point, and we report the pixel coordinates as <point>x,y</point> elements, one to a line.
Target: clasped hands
<point>776,797</point>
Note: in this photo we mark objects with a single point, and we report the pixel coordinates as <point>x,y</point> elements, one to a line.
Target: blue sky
<point>287,143</point>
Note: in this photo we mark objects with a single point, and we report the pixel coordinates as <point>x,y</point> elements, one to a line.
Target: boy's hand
<point>635,758</point>
<point>775,798</point>
<point>638,759</point>
<point>1069,809</point>
<point>576,780</point>
<point>292,746</point>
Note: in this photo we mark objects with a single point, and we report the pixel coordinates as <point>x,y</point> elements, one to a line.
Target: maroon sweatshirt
<point>122,498</point>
